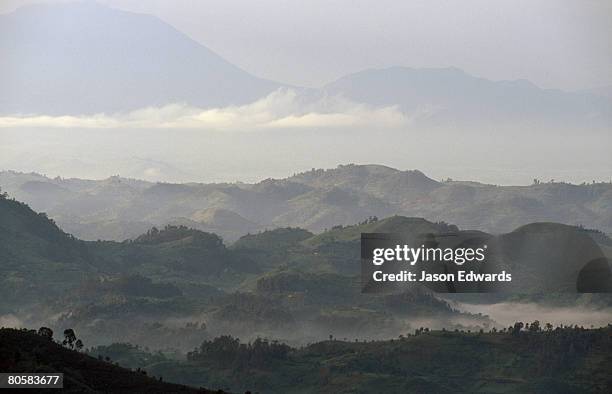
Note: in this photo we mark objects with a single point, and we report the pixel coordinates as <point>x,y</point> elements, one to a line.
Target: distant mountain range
<point>118,208</point>
<point>85,58</point>
<point>449,96</point>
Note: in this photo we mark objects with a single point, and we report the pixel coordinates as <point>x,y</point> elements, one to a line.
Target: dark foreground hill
<point>26,351</point>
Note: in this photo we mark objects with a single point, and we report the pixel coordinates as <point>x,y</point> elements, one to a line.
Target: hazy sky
<point>554,43</point>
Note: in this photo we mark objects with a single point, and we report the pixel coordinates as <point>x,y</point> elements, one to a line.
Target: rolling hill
<point>538,359</point>
<point>268,283</point>
<point>107,289</point>
<point>119,208</point>
<point>293,285</point>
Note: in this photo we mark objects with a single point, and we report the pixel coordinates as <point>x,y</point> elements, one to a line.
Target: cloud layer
<point>283,108</point>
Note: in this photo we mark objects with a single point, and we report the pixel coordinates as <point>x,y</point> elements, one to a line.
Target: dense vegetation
<point>177,289</point>
<point>284,283</point>
<point>522,358</point>
<point>29,351</point>
<point>267,283</point>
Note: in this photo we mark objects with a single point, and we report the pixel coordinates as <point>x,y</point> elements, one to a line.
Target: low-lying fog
<point>182,334</point>
<point>182,155</point>
<point>507,313</point>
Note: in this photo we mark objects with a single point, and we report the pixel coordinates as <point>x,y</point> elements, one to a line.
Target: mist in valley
<point>182,214</point>
<point>179,335</point>
<point>506,155</point>
<point>505,314</point>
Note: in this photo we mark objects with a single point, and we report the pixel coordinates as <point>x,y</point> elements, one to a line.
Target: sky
<point>555,44</point>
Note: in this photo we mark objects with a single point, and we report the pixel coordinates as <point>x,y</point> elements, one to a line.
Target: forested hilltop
<point>531,357</point>
<point>118,208</point>
<point>176,285</point>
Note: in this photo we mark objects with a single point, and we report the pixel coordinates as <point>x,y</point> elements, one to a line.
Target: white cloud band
<point>283,108</point>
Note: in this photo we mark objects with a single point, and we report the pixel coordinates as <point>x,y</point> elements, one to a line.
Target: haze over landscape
<point>183,113</point>
<point>184,186</point>
<point>119,208</point>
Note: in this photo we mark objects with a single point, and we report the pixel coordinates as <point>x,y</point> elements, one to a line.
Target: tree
<point>46,332</point>
<point>516,329</point>
<point>78,344</point>
<point>69,338</point>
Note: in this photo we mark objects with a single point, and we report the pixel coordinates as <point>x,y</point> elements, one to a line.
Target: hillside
<point>26,351</point>
<point>39,260</point>
<point>130,289</point>
<point>118,208</point>
<point>175,284</point>
<point>536,358</point>
<point>32,252</point>
<point>174,288</point>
